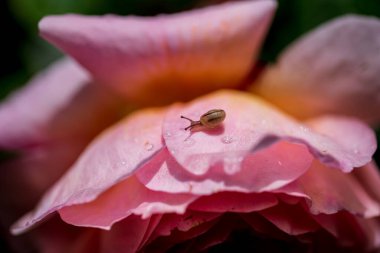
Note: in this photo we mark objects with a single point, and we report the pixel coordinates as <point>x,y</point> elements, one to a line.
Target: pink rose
<point>269,180</point>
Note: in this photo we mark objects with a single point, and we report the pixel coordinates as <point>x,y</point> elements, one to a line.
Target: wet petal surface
<point>251,125</point>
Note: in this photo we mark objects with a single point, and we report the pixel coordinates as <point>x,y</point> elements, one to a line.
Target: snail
<point>210,119</point>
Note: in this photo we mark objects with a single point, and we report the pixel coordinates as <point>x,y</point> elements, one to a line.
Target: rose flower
<point>283,162</point>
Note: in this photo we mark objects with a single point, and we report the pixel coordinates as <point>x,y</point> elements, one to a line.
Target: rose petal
<point>266,173</point>
<point>338,128</point>
<point>122,200</point>
<point>369,177</point>
<point>329,191</point>
<point>263,226</point>
<point>234,202</point>
<point>343,226</point>
<point>292,219</point>
<point>175,229</point>
<point>109,159</point>
<point>50,106</point>
<point>330,70</point>
<point>250,125</point>
<point>153,60</point>
<point>125,236</point>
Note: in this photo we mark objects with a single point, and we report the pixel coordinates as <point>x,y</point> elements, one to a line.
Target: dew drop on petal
<point>148,146</point>
<point>279,163</point>
<point>189,142</point>
<point>167,134</point>
<point>304,129</point>
<point>227,139</point>
<point>232,164</point>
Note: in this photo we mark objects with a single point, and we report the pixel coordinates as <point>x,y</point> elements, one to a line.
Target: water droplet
<point>148,146</point>
<point>232,164</point>
<point>123,162</point>
<point>167,134</point>
<point>279,163</point>
<point>304,129</point>
<point>227,139</point>
<point>189,142</point>
<point>173,151</point>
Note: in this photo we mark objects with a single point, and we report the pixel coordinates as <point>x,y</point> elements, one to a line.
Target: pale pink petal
<point>168,57</point>
<point>58,103</point>
<point>251,124</point>
<point>266,173</point>
<point>333,69</point>
<point>112,157</point>
<point>363,142</point>
<point>234,202</point>
<point>329,191</point>
<point>292,219</point>
<point>122,200</point>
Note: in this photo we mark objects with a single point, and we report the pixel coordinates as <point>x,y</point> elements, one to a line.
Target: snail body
<point>210,119</point>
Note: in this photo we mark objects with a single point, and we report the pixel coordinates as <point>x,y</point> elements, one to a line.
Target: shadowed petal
<point>159,59</point>
<point>292,219</point>
<point>125,236</point>
<point>329,191</point>
<point>234,202</point>
<point>369,178</point>
<point>113,156</point>
<point>333,69</point>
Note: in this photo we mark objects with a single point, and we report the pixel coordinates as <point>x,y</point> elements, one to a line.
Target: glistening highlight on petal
<point>168,57</point>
